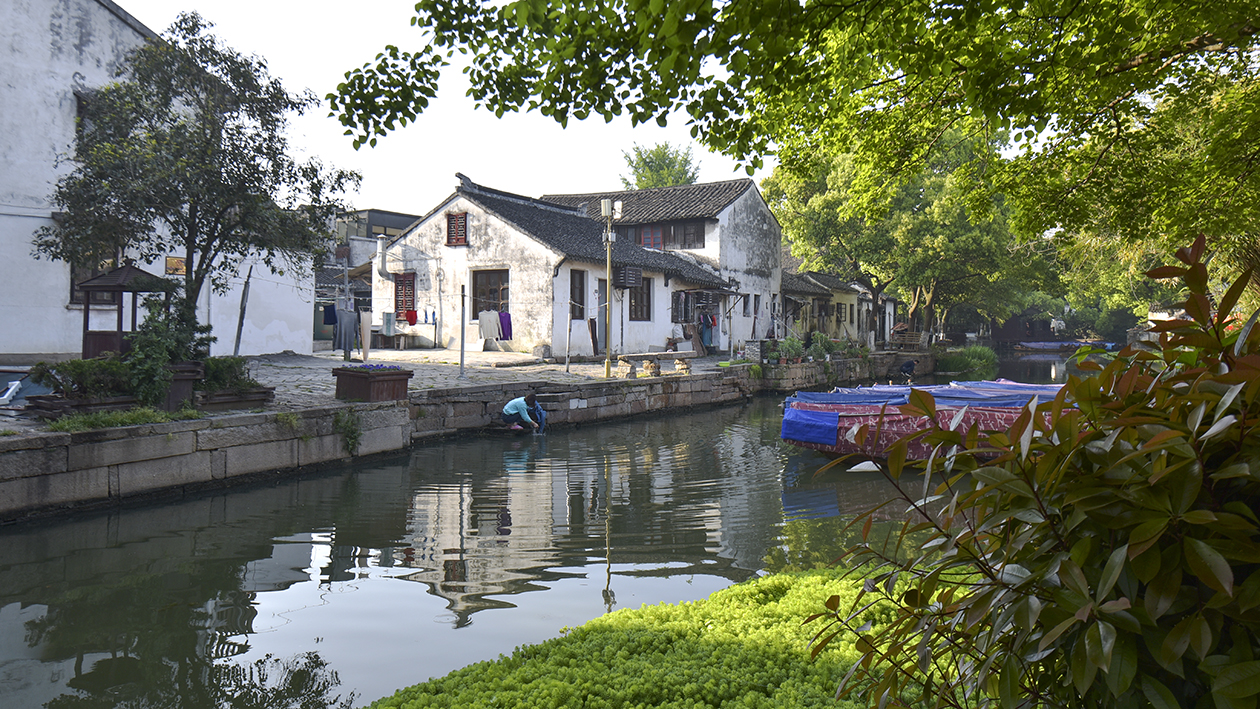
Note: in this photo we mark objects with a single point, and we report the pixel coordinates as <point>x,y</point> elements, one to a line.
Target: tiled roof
<point>830,282</point>
<point>579,237</point>
<point>661,204</point>
<point>797,285</point>
<point>128,278</point>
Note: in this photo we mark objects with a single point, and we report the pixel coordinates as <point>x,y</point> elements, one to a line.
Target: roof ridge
<point>468,186</point>
<point>650,189</point>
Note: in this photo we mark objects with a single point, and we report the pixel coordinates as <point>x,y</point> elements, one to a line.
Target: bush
<point>1104,552</point>
<point>792,348</point>
<point>103,376</point>
<point>113,419</point>
<point>967,359</point>
<point>227,374</point>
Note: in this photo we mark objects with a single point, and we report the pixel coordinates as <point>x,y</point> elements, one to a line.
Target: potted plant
<point>792,348</point>
<point>227,385</point>
<point>372,382</point>
<point>82,386</point>
<point>772,354</point>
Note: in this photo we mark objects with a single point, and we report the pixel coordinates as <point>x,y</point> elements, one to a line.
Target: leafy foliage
<point>661,165</point>
<point>885,81</point>
<point>738,648</point>
<point>227,374</point>
<point>113,419</point>
<point>166,336</point>
<point>104,376</point>
<point>187,154</point>
<point>1103,552</point>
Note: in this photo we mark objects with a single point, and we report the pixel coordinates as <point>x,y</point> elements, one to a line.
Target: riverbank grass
<point>974,357</point>
<point>744,646</point>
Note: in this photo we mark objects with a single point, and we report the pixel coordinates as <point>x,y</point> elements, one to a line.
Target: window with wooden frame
<point>747,304</point>
<point>490,291</point>
<point>457,229</point>
<point>404,293</point>
<point>686,235</point>
<point>651,237</point>
<point>641,301</point>
<point>577,295</point>
<point>79,274</point>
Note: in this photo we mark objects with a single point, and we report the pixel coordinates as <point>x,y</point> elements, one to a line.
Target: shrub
<point>792,348</point>
<point>103,376</point>
<point>1104,552</point>
<point>227,374</point>
<point>114,419</point>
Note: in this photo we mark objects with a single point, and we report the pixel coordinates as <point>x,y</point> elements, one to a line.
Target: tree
<point>930,243</point>
<point>884,81</point>
<point>1103,552</point>
<point>662,165</point>
<point>186,154</point>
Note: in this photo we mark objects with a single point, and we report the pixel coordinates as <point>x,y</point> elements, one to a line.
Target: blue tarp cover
<point>820,427</point>
<point>986,393</point>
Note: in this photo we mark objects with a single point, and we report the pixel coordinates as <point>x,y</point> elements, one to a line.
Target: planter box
<point>52,406</point>
<point>183,376</point>
<point>227,399</point>
<point>372,384</point>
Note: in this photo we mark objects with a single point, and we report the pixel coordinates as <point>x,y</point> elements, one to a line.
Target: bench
<point>909,340</point>
<point>657,356</point>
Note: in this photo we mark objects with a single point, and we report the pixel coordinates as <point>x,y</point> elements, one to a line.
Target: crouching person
<point>525,410</point>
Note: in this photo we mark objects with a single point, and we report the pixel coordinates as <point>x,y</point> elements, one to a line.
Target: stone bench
<point>658,356</point>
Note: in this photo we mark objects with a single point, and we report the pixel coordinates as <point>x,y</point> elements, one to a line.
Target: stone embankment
<point>47,473</point>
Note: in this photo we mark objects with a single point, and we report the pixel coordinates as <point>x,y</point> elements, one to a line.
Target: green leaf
<point>1238,680</point>
<point>1111,572</point>
<point>1209,566</point>
<point>1157,694</point>
<point>1123,666</point>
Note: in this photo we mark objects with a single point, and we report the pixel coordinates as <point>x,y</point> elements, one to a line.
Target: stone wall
<point>51,472</point>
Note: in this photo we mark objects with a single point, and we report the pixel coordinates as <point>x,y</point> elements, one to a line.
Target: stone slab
<point>262,457</point>
<point>53,490</point>
<point>127,450</point>
<point>33,462</point>
<point>150,475</point>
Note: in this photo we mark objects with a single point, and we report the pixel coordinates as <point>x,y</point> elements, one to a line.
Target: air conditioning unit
<point>627,277</point>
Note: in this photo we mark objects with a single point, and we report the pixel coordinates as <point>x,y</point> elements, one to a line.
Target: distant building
<point>699,258</point>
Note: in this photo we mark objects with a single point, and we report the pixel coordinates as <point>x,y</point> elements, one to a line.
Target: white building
<point>543,262</point>
<point>52,55</point>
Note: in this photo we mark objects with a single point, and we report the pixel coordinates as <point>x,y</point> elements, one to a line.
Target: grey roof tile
<point>661,204</point>
<point>580,237</point>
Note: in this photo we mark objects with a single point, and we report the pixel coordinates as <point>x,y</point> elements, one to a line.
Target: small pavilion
<point>124,279</point>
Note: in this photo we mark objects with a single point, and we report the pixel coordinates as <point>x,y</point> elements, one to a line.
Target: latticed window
<point>404,292</point>
<point>490,291</point>
<point>79,274</point>
<point>457,229</point>
<point>641,301</point>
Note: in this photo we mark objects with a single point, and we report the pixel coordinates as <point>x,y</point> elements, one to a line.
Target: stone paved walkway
<point>306,381</point>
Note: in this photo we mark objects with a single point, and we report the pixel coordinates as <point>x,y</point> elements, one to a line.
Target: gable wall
<point>440,271</point>
<point>750,242</point>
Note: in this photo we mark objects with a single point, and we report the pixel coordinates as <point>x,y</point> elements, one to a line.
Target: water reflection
<point>356,582</point>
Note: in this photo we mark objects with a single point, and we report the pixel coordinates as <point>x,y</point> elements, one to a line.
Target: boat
<point>829,421</point>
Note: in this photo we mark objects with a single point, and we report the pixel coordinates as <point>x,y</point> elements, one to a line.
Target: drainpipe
<point>380,259</point>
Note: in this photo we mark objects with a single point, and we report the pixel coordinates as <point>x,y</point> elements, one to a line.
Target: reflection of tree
<point>818,543</point>
<point>301,682</point>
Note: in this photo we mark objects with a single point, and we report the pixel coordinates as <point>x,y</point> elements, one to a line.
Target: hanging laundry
<point>330,315</point>
<point>505,326</point>
<point>346,329</point>
<point>411,317</point>
<point>489,325</point>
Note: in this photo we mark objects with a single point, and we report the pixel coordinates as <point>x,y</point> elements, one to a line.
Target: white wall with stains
<point>48,50</point>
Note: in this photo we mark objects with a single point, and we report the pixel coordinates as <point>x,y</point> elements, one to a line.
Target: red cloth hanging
<point>411,317</point>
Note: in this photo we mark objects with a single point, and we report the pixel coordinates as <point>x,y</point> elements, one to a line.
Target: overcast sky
<point>310,45</point>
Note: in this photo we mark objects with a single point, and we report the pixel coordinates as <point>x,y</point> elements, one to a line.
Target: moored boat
<point>829,421</point>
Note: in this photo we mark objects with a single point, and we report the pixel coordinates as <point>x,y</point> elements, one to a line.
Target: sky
<point>311,45</point>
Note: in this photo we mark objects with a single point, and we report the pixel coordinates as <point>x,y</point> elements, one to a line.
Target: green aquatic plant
<point>741,647</point>
<point>347,423</point>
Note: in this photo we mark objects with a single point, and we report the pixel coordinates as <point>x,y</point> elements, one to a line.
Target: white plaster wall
<point>577,340</point>
<point>441,270</point>
<point>47,49</point>
<point>278,313</point>
<point>749,239</point>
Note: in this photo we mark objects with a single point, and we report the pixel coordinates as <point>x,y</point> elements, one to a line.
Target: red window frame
<point>457,229</point>
<point>652,237</point>
<point>404,293</point>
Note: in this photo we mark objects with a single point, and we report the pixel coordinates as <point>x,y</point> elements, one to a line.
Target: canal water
<point>358,581</point>
<point>341,587</point>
